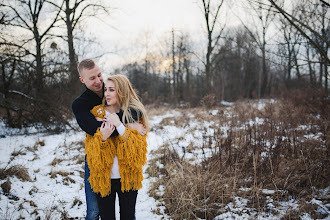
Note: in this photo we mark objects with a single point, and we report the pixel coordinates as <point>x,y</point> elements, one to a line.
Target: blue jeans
<point>91,198</point>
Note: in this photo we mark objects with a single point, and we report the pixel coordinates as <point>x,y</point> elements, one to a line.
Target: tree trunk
<point>173,71</point>
<point>289,62</point>
<point>296,63</point>
<point>38,82</point>
<point>187,90</point>
<point>208,65</point>
<point>6,85</point>
<point>311,71</point>
<point>72,54</point>
<point>326,75</point>
<point>264,83</point>
<point>320,72</point>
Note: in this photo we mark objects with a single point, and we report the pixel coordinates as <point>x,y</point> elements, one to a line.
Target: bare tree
<point>265,18</point>
<point>26,17</point>
<point>309,18</point>
<point>312,35</point>
<point>174,71</point>
<point>211,13</point>
<point>7,72</point>
<point>292,40</point>
<point>181,66</point>
<point>74,12</point>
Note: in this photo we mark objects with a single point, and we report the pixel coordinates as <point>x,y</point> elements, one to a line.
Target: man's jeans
<point>91,199</point>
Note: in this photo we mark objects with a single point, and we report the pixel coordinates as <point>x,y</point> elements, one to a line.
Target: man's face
<point>92,78</point>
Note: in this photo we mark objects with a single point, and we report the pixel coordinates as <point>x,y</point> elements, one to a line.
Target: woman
<point>116,161</point>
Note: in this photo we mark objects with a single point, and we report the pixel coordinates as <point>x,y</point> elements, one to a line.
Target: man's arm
<point>85,118</point>
<point>137,126</point>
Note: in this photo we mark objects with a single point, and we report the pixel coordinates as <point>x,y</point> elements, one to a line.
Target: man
<point>90,75</point>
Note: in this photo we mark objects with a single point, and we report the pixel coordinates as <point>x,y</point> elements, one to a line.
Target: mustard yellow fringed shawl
<point>131,150</point>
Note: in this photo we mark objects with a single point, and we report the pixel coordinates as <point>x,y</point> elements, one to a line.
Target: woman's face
<point>110,93</point>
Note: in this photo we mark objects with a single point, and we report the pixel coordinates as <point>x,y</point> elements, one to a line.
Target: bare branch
<point>52,24</point>
<point>325,3</point>
<point>81,14</point>
<point>18,15</point>
<point>292,21</point>
<point>216,15</point>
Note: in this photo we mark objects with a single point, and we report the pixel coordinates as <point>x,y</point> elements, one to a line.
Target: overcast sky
<point>132,20</point>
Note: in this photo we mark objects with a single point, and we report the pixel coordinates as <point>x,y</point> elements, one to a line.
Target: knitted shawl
<point>130,148</point>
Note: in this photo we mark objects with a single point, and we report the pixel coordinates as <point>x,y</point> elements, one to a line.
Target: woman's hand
<point>113,119</point>
<point>98,119</point>
<point>106,130</point>
<point>139,127</point>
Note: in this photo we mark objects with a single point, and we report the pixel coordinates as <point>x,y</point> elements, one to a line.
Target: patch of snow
<point>225,103</point>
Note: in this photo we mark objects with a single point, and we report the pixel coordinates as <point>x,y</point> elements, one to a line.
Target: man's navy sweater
<point>81,107</point>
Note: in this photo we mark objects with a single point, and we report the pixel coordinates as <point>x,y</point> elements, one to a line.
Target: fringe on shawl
<point>131,150</point>
<point>131,153</point>
<point>100,155</point>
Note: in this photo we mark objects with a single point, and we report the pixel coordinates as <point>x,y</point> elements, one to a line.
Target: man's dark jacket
<point>81,107</point>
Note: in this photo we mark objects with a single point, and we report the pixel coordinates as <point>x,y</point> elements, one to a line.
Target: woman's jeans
<point>91,197</point>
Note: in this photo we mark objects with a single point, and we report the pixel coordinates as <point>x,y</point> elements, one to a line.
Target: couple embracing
<point>116,125</point>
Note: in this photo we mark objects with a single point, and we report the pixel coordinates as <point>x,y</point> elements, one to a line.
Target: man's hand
<point>106,129</point>
<point>139,127</point>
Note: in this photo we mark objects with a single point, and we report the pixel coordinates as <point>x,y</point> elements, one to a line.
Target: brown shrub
<point>6,186</point>
<point>68,180</point>
<point>53,174</point>
<point>17,153</point>
<point>16,170</point>
<point>76,201</point>
<point>209,100</point>
<point>288,152</point>
<point>56,161</point>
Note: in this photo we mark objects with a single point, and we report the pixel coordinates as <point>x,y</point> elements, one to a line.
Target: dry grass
<point>152,111</point>
<point>56,161</point>
<point>53,174</point>
<point>16,170</point>
<point>33,190</point>
<point>287,151</point>
<point>6,186</point>
<point>68,180</point>
<point>77,202</point>
<point>18,153</point>
<point>39,143</point>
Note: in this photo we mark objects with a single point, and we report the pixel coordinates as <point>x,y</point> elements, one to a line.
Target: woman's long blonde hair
<point>127,99</point>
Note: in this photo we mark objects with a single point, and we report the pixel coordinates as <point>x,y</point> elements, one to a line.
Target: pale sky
<point>160,15</point>
<point>132,19</point>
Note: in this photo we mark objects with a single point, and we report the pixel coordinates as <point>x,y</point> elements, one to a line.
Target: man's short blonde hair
<point>85,64</point>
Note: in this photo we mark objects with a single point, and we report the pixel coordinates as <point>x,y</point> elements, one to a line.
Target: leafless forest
<point>38,62</point>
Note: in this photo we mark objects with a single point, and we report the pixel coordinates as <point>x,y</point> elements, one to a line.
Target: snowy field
<point>53,186</point>
<point>55,166</point>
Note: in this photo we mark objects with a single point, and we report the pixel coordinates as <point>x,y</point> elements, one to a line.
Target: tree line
<point>39,74</point>
<point>278,44</point>
<point>281,46</point>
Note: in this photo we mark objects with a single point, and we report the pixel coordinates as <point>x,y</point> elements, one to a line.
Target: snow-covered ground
<point>55,164</point>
